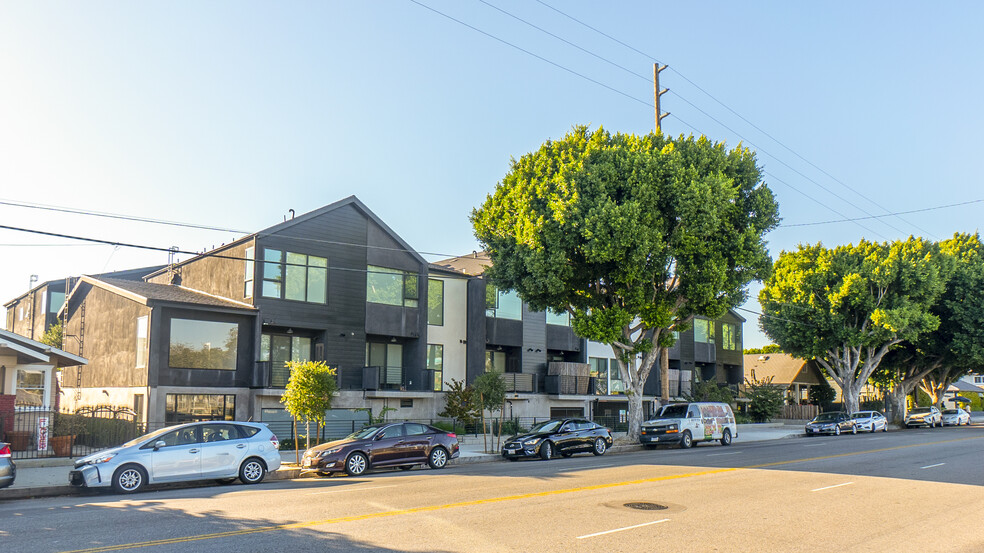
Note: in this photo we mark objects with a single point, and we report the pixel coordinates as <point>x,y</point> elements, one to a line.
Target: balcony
<point>522,382</point>
<point>565,385</point>
<point>384,378</point>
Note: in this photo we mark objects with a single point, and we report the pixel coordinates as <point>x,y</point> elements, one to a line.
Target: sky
<point>229,114</point>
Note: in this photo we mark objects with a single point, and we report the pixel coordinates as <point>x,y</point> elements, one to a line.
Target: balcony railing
<point>522,382</point>
<point>569,385</point>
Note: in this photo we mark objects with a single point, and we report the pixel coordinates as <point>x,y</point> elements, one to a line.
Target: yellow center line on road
<point>429,508</point>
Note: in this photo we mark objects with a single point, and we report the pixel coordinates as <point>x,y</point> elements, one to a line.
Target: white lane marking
<point>834,486</point>
<point>621,529</point>
<point>352,490</point>
<point>719,454</point>
<point>931,466</point>
<point>814,445</point>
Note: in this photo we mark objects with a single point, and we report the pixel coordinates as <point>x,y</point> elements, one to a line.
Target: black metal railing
<point>569,385</point>
<point>522,382</point>
<point>38,432</point>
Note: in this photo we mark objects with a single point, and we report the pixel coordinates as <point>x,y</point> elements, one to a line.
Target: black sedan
<point>402,445</point>
<point>832,422</point>
<point>563,437</point>
<point>8,470</point>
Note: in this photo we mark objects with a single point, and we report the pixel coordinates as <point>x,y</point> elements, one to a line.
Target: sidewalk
<point>49,477</point>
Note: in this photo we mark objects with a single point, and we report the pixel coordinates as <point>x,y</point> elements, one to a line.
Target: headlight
<point>673,427</point>
<point>532,441</point>
<point>102,458</point>
<point>328,452</point>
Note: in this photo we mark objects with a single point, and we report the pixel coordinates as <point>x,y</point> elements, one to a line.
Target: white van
<point>686,423</point>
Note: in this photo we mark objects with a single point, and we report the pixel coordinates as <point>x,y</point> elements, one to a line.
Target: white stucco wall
<point>453,332</point>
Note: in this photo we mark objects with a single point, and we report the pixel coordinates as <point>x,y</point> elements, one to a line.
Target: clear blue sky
<point>231,113</point>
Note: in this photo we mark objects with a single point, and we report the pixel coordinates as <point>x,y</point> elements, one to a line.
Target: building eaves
<point>39,350</point>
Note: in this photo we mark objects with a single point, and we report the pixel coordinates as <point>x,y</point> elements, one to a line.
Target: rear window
<point>248,431</point>
<point>414,429</point>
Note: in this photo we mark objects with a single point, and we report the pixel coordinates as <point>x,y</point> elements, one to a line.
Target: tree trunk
<point>664,376</point>
<point>297,445</point>
<point>635,411</point>
<point>852,398</point>
<point>896,400</point>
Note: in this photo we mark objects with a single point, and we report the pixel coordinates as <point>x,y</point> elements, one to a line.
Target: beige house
<point>795,374</point>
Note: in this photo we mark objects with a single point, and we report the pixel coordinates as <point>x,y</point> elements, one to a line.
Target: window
<point>413,428</point>
<point>435,362</point>
<point>406,403</point>
<point>729,336</point>
<point>203,345</point>
<point>608,381</point>
<point>391,286</point>
<point>389,358</point>
<point>495,361</point>
<point>295,276</point>
<point>220,433</point>
<point>503,305</point>
<point>979,380</point>
<point>29,388</point>
<point>281,348</point>
<point>142,342</point>
<point>181,408</point>
<point>703,331</point>
<point>138,407</point>
<point>248,276</point>
<point>561,319</point>
<point>57,300</point>
<point>435,302</point>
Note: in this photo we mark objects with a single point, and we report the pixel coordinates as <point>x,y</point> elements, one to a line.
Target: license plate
<point>510,451</point>
<point>308,462</point>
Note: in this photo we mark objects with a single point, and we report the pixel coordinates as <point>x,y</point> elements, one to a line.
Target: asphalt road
<point>915,490</point>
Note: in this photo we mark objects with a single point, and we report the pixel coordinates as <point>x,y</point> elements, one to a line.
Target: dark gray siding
<point>476,331</point>
<point>534,338</point>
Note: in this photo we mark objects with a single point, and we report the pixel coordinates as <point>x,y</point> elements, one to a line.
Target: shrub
<point>766,398</point>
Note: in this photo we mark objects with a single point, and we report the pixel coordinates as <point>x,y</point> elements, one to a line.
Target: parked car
<point>924,416</point>
<point>216,450</point>
<point>955,417</point>
<point>688,423</point>
<point>872,421</point>
<point>8,470</point>
<point>831,422</point>
<point>402,444</point>
<point>563,437</point>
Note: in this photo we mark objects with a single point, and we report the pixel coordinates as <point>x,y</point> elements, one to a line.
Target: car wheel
<point>686,440</point>
<point>837,431</point>
<point>438,458</point>
<point>252,471</point>
<point>546,451</point>
<point>129,479</point>
<point>406,467</point>
<point>726,437</point>
<point>600,447</point>
<point>225,481</point>
<point>356,464</point>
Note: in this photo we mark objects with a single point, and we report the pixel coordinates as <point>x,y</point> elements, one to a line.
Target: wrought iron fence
<point>37,432</point>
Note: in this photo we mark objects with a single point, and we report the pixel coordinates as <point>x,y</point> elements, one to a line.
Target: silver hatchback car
<point>217,450</point>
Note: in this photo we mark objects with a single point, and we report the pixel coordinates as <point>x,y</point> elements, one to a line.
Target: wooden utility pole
<point>657,93</point>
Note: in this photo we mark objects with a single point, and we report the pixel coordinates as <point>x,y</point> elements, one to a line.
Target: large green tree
<point>309,393</point>
<point>848,306</point>
<point>632,235</point>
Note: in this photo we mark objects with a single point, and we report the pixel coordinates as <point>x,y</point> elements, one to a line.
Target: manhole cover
<point>645,506</point>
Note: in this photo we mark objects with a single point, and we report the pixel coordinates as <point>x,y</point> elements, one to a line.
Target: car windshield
<point>826,417</point>
<point>364,433</point>
<point>861,415</point>
<point>950,412</point>
<point>919,410</point>
<point>678,411</point>
<point>549,426</point>
<point>149,436</point>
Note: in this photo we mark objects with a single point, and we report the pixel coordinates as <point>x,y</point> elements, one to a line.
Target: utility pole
<point>657,93</point>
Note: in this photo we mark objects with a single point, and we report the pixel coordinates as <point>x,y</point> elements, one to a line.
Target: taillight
<point>452,435</point>
<point>5,450</point>
<point>274,441</point>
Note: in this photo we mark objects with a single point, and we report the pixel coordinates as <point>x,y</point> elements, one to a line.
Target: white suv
<point>924,416</point>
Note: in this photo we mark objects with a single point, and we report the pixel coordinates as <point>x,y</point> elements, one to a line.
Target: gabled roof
<point>35,352</point>
<point>350,201</point>
<point>783,367</point>
<point>32,290</point>
<point>471,265</point>
<point>964,386</point>
<point>149,294</point>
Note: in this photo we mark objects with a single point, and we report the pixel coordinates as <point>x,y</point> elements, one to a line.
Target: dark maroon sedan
<point>400,444</point>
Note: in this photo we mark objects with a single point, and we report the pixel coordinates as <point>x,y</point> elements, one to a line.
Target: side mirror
<point>379,436</point>
<point>159,444</point>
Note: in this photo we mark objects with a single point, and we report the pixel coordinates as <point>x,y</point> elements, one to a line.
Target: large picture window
<point>503,304</point>
<point>30,386</point>
<point>391,286</point>
<point>435,302</point>
<point>295,276</point>
<point>730,338</point>
<point>181,408</point>
<point>703,331</point>
<point>560,319</point>
<point>203,345</point>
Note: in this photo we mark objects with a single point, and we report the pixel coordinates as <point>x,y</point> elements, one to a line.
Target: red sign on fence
<point>42,433</point>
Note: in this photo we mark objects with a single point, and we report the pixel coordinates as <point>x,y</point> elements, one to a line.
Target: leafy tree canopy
<point>771,348</point>
<point>310,390</point>
<point>632,235</point>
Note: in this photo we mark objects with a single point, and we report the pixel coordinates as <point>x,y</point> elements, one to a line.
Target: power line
<point>777,141</point>
<point>541,58</point>
<point>886,215</point>
<point>776,317</point>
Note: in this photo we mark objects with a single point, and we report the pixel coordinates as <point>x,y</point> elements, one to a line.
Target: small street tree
<point>309,393</point>
<point>847,307</point>
<point>631,235</point>
<point>460,404</point>
<point>765,398</point>
<point>490,387</point>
